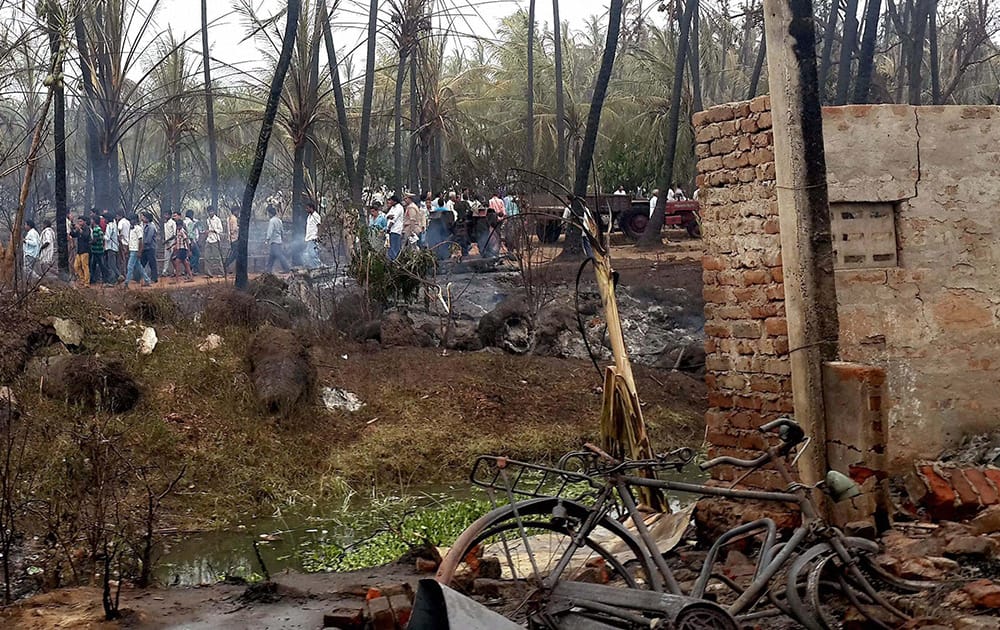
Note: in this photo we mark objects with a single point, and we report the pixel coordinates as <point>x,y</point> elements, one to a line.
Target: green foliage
<point>392,527</point>
<point>386,280</point>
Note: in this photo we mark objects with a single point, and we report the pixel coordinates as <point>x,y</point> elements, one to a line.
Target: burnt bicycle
<point>558,553</point>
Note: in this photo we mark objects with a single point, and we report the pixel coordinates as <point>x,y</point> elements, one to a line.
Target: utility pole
<point>804,216</point>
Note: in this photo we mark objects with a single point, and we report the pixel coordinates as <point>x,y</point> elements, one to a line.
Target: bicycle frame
<point>662,580</point>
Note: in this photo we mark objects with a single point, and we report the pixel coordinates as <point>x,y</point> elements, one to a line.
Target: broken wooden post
<point>804,216</point>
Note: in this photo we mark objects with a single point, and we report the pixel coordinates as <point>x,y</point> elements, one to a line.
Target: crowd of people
<point>113,249</point>
<point>437,222</point>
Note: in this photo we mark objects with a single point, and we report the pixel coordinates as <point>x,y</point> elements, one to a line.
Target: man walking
<point>234,234</point>
<point>147,254</point>
<point>213,241</point>
<point>310,257</point>
<point>135,256</point>
<point>98,270</point>
<point>111,246</point>
<point>275,230</point>
<point>124,227</point>
<point>394,219</point>
<point>81,263</point>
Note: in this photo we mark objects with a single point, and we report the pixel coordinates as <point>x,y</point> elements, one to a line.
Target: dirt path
<point>302,600</point>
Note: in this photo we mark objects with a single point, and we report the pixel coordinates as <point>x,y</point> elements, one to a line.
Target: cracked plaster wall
<point>931,322</point>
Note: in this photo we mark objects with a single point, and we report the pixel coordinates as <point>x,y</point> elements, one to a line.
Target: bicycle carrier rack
<point>526,480</point>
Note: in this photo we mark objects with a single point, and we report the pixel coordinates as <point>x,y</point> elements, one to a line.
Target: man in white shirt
<point>310,257</point>
<point>274,240</point>
<point>169,236</point>
<point>652,201</point>
<point>395,220</point>
<point>671,196</point>
<point>32,246</point>
<point>213,240</point>
<point>135,248</point>
<point>124,226</point>
<point>112,245</point>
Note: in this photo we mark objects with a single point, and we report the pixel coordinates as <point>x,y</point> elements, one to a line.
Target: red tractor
<point>627,214</point>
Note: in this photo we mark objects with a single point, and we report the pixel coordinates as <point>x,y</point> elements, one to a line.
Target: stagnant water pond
<point>359,531</point>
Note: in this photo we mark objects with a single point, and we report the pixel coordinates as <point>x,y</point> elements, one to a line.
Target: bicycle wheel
<point>506,554</point>
<point>822,592</point>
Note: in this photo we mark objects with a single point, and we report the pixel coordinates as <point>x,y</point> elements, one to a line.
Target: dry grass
<point>432,414</point>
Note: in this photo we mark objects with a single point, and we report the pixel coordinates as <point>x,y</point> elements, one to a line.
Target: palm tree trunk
<point>560,96</point>
<point>826,58</point>
<point>914,67</point>
<point>213,155</point>
<point>266,127</point>
<point>98,167</point>
<point>299,182</point>
<point>398,123</point>
<point>308,148</point>
<point>866,60</point>
<point>932,37</point>
<point>758,66</point>
<point>59,137</point>
<point>343,124</point>
<point>414,126</point>
<point>695,63</point>
<point>574,243</point>
<point>366,104</point>
<point>651,236</point>
<point>529,119</point>
<point>847,45</point>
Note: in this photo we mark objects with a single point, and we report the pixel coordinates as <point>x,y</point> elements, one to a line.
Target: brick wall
<point>746,347</point>
<point>930,318</point>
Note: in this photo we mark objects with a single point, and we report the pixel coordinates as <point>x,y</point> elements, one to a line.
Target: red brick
<point>773,259</point>
<point>746,330</point>
<point>781,345</point>
<point>710,345</point>
<point>722,146</point>
<point>940,494</point>
<point>782,405</point>
<point>983,593</point>
<point>710,380</point>
<point>968,498</point>
<point>779,366</point>
<point>699,119</point>
<point>776,326</point>
<point>756,276</point>
<point>769,309</point>
<point>772,226</point>
<point>749,125</point>
<point>710,277</point>
<point>764,120</point>
<point>736,438</point>
<point>719,113</point>
<point>718,330</point>
<point>766,384</point>
<point>748,402</point>
<point>714,263</point>
<point>734,311</point>
<point>718,399</point>
<point>716,295</point>
<point>749,294</point>
<point>984,488</point>
<point>748,174</point>
<point>776,292</point>
<point>736,160</point>
<point>743,143</point>
<point>763,139</point>
<point>778,274</point>
<point>728,127</point>
<point>993,474</point>
<point>707,134</point>
<point>760,104</point>
<point>702,151</point>
<point>716,363</point>
<point>732,278</point>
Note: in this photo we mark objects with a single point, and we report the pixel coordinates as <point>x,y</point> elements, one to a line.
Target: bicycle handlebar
<point>789,432</point>
<point>732,461</point>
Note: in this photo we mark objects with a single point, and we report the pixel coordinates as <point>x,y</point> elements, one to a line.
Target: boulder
<point>281,370</point>
<point>92,382</point>
<point>68,331</point>
<point>984,594</point>
<point>398,330</point>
